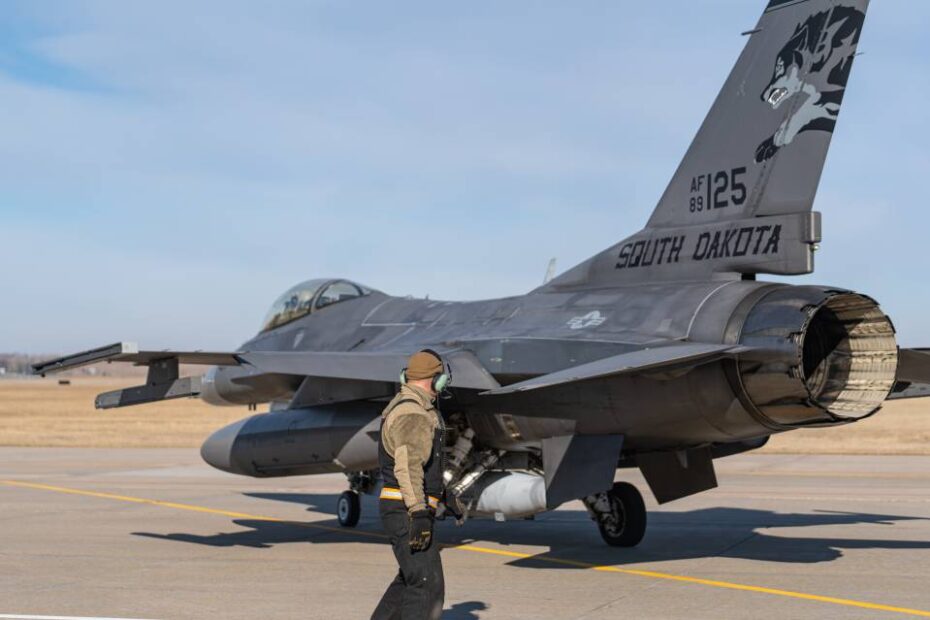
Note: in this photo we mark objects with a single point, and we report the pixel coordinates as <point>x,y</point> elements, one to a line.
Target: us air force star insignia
<point>591,319</point>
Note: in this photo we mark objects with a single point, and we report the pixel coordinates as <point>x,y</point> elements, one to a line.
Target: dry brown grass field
<point>901,427</point>
<point>39,412</point>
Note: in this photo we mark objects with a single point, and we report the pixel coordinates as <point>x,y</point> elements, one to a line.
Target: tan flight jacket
<point>408,437</point>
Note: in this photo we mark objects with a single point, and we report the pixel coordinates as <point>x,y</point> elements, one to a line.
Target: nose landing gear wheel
<point>620,514</point>
<point>348,509</point>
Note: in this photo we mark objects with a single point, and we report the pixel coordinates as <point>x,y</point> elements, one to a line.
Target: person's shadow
<point>573,541</point>
<point>464,611</point>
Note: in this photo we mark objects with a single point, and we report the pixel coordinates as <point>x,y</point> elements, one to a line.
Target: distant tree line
<point>20,363</point>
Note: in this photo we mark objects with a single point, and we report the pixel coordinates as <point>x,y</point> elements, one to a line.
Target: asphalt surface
<point>158,534</point>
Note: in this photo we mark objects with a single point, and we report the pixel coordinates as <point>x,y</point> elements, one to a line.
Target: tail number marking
<point>717,190</point>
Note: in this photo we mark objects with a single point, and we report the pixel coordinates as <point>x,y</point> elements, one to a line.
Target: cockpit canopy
<point>308,297</point>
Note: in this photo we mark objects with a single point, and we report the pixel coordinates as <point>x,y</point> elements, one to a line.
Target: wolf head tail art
<point>810,75</point>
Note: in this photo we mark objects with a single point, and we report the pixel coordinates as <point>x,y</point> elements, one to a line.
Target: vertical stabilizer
<point>740,201</point>
<point>762,147</point>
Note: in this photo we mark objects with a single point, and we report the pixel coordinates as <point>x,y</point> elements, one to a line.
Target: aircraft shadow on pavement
<point>570,535</point>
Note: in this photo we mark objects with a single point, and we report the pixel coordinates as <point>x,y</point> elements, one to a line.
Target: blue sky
<point>167,169</point>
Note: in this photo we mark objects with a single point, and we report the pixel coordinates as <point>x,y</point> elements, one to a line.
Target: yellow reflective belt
<point>391,493</point>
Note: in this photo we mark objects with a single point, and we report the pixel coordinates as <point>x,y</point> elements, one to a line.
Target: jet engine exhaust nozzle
<point>826,356</point>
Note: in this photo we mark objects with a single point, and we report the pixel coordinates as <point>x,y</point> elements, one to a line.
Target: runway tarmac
<point>155,533</point>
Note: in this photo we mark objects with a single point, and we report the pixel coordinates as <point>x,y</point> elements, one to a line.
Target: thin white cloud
<point>234,149</point>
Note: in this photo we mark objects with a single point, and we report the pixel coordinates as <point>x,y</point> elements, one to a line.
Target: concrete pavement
<point>136,533</point>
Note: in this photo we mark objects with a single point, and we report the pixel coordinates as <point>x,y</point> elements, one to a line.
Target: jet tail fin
<point>762,147</point>
<point>740,201</point>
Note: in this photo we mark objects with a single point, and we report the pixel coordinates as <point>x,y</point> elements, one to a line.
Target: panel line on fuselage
<point>707,298</point>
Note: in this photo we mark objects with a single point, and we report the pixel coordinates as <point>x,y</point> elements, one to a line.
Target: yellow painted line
<point>189,507</point>
<point>728,585</point>
<point>706,582</point>
<point>787,473</point>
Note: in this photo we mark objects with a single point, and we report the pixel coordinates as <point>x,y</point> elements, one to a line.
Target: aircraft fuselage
<point>517,338</point>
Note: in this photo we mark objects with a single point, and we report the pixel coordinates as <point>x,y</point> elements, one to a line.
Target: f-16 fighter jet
<point>663,352</point>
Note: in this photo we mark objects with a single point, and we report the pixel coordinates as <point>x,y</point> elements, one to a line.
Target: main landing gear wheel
<point>348,509</point>
<point>620,514</point>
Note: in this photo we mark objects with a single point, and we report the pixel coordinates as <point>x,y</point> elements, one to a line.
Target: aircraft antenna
<point>550,271</point>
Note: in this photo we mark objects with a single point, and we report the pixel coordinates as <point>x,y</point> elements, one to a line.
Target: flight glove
<point>421,530</point>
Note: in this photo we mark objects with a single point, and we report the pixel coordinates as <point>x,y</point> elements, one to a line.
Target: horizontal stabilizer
<point>129,352</point>
<point>903,389</point>
<point>914,365</point>
<point>913,376</point>
<point>645,360</point>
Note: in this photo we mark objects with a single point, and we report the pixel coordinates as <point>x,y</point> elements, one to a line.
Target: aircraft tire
<point>628,525</point>
<point>348,509</point>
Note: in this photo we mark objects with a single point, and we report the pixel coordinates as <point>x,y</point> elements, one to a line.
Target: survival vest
<point>432,469</point>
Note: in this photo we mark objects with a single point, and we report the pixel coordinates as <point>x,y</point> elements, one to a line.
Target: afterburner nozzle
<point>829,356</point>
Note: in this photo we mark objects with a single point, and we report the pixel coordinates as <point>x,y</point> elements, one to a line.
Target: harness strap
<point>400,402</point>
<point>392,493</point>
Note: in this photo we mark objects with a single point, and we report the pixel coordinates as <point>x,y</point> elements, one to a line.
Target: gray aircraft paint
<point>728,210</point>
<point>658,410</point>
<point>663,342</point>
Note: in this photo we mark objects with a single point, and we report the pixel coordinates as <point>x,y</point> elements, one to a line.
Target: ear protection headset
<point>440,381</point>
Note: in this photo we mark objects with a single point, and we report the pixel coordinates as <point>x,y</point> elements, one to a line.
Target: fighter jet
<point>663,352</point>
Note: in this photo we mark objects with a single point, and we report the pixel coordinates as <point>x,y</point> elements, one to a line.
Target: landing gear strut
<point>348,506</point>
<point>620,514</point>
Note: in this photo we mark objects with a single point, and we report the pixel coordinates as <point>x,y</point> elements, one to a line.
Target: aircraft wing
<point>164,382</point>
<point>914,365</point>
<point>129,352</point>
<point>467,371</point>
<point>669,357</point>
